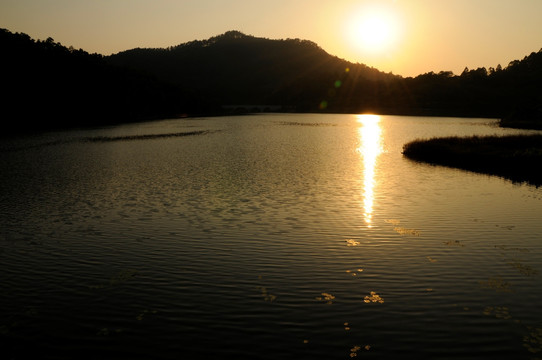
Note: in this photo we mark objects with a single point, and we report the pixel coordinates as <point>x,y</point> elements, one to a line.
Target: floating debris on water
<point>145,312</point>
<point>507,227</point>
<point>405,231</point>
<point>265,294</point>
<point>523,269</point>
<point>354,351</point>
<point>402,230</point>
<point>356,348</point>
<point>533,341</point>
<point>352,242</point>
<point>326,297</point>
<point>393,221</point>
<point>353,272</point>
<point>507,248</point>
<point>500,312</point>
<point>497,284</point>
<point>122,276</point>
<point>431,259</point>
<point>454,243</point>
<point>374,297</point>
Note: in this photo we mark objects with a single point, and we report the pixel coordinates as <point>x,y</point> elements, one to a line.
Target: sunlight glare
<point>373,30</point>
<point>370,148</point>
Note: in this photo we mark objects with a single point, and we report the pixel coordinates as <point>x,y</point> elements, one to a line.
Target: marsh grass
<point>516,157</point>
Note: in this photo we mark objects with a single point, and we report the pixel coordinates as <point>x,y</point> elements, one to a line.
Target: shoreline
<point>514,157</point>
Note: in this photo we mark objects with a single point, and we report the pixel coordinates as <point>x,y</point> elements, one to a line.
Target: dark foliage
<point>515,157</point>
<point>238,69</point>
<point>46,84</point>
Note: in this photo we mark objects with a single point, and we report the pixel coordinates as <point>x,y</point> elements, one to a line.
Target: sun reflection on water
<point>369,149</point>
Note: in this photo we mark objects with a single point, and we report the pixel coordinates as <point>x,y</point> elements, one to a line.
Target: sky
<point>405,37</point>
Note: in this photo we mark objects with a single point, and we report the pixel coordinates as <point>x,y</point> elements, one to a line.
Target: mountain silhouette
<point>48,85</point>
<point>235,68</point>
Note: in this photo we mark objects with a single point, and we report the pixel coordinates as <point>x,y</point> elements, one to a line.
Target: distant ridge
<point>234,68</point>
<point>49,86</point>
<point>54,86</point>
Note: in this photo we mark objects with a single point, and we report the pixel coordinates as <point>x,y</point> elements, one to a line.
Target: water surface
<point>264,237</point>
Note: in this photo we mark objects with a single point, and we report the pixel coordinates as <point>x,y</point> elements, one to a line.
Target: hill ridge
<point>209,76</point>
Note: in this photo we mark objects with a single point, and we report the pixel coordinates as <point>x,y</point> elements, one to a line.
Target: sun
<point>373,31</point>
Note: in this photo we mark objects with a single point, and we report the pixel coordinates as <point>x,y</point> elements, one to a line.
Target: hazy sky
<point>406,37</point>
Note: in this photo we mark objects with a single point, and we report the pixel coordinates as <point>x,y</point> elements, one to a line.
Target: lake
<point>273,236</point>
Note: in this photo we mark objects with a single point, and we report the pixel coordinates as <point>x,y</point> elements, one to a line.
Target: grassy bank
<point>515,157</point>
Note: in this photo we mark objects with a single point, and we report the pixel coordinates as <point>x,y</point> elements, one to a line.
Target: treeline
<point>234,68</point>
<point>48,84</point>
<point>513,93</point>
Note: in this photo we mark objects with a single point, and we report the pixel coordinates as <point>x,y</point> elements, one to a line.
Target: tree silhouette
<point>49,85</point>
<point>70,87</point>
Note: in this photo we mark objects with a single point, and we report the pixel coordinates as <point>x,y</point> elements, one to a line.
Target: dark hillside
<point>234,68</point>
<point>46,85</point>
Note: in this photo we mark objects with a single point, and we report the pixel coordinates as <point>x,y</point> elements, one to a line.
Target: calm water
<point>264,237</point>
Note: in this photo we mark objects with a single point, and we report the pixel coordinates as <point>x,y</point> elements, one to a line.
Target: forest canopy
<point>46,80</point>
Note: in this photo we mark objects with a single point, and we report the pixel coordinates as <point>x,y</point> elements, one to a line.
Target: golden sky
<point>406,37</point>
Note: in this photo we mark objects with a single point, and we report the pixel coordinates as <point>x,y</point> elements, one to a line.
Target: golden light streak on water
<point>370,148</point>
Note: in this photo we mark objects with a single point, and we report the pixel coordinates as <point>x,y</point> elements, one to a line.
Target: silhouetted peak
<point>233,34</point>
<point>227,37</point>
